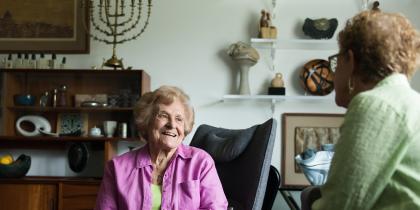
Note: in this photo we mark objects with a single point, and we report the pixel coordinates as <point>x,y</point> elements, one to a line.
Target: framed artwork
<point>72,124</point>
<point>43,26</point>
<point>301,131</point>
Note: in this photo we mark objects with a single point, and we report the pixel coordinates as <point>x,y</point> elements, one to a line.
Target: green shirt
<point>377,158</point>
<point>156,196</point>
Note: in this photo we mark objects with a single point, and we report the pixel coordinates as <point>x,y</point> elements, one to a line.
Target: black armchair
<point>243,158</point>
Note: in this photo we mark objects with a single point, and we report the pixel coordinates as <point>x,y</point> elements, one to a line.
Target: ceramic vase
<point>244,67</point>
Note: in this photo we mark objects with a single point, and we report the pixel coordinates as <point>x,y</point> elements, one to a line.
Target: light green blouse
<point>156,196</point>
<point>377,158</point>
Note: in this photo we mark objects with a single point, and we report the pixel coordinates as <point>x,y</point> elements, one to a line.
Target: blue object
<point>328,147</point>
<point>24,99</point>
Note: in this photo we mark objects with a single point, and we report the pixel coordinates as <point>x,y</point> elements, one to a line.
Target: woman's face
<point>167,128</point>
<point>341,79</point>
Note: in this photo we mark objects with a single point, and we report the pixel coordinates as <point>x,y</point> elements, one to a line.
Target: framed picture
<point>43,26</point>
<point>301,131</point>
<point>72,124</point>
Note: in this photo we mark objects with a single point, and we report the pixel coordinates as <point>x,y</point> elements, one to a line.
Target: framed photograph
<point>301,131</point>
<point>43,26</point>
<point>72,124</point>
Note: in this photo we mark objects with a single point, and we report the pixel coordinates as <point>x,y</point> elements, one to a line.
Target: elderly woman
<point>164,174</point>
<point>376,163</point>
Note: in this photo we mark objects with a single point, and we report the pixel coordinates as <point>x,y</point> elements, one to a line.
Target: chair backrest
<point>273,186</point>
<point>243,158</point>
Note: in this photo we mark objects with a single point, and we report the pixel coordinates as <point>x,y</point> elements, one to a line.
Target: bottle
<point>3,63</point>
<point>18,61</point>
<point>25,61</point>
<point>122,131</point>
<point>43,100</point>
<point>51,63</point>
<point>63,63</point>
<point>42,62</point>
<point>9,62</point>
<point>54,97</point>
<point>62,96</point>
<point>32,62</point>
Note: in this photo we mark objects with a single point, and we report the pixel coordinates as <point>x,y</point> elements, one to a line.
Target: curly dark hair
<point>382,43</point>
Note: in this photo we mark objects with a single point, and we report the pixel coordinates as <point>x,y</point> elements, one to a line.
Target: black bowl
<point>17,169</point>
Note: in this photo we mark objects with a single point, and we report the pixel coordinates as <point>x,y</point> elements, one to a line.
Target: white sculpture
<point>245,56</point>
<point>41,125</point>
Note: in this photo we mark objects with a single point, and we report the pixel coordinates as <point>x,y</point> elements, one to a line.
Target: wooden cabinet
<point>88,82</point>
<point>60,193</point>
<point>28,196</point>
<point>77,196</point>
<point>48,193</point>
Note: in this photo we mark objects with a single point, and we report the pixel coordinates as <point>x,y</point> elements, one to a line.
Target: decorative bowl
<point>17,169</point>
<point>24,99</point>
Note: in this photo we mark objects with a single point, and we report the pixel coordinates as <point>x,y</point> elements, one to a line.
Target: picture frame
<point>72,124</point>
<point>44,26</point>
<point>299,132</point>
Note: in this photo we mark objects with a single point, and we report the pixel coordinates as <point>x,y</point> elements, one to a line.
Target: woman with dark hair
<point>376,164</point>
<point>164,174</point>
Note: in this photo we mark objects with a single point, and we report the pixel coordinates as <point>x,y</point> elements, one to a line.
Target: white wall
<point>185,46</point>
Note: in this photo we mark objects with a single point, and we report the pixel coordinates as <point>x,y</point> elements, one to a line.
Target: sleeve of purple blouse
<point>107,198</point>
<point>212,196</point>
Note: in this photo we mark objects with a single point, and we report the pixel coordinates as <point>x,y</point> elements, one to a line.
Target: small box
<point>277,91</point>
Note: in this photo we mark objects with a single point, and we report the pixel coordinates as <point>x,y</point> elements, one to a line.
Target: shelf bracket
<point>273,106</point>
<point>273,56</point>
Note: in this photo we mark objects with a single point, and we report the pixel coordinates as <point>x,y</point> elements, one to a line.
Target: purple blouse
<point>190,182</point>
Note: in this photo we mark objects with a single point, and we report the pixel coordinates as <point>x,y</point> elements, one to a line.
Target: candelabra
<point>116,23</point>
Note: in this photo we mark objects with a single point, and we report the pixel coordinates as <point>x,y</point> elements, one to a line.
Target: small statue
<point>277,81</point>
<point>277,85</point>
<point>264,19</point>
<point>266,31</point>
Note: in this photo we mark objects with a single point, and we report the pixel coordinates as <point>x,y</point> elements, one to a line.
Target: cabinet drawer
<point>77,196</point>
<point>28,196</point>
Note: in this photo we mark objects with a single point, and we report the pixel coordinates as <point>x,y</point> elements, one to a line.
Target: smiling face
<point>168,126</point>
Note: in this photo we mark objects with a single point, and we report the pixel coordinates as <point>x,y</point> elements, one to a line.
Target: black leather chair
<point>243,158</point>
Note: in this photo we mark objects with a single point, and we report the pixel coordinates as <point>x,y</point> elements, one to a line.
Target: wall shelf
<point>295,44</point>
<point>273,99</point>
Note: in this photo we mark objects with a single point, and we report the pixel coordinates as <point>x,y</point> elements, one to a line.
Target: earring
<point>350,86</point>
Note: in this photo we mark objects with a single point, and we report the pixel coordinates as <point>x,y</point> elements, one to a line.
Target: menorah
<point>116,22</point>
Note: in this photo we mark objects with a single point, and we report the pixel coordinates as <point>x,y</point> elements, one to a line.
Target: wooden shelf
<point>297,44</point>
<point>52,179</point>
<point>126,85</point>
<point>62,139</point>
<point>273,99</point>
<point>72,71</point>
<point>70,109</point>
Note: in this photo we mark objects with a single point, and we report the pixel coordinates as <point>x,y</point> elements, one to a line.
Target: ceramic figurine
<point>277,81</point>
<point>277,85</point>
<point>266,30</point>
